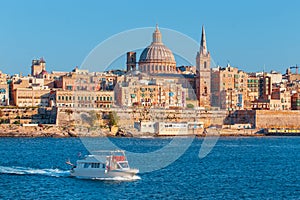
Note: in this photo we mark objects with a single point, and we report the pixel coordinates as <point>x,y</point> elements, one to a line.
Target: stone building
<point>229,88</point>
<point>83,89</point>
<point>150,92</point>
<point>38,67</point>
<point>29,91</point>
<point>31,97</point>
<point>158,62</point>
<point>84,99</point>
<point>295,101</point>
<point>4,89</point>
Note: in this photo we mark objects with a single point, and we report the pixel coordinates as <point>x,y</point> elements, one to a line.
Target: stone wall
<point>277,119</point>
<point>34,115</point>
<point>265,118</point>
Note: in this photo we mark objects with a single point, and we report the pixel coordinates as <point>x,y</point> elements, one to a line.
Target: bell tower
<point>131,61</point>
<point>203,75</point>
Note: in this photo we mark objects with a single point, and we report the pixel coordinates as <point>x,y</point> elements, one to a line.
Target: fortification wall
<point>277,119</point>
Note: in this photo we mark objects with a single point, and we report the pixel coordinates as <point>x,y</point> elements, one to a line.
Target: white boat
<point>103,165</point>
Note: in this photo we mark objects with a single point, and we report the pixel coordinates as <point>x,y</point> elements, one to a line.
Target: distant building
<point>203,75</point>
<point>140,91</point>
<point>4,94</point>
<point>84,99</point>
<point>295,101</point>
<point>29,91</point>
<point>229,88</point>
<point>31,97</point>
<point>158,62</point>
<point>4,89</point>
<point>38,67</point>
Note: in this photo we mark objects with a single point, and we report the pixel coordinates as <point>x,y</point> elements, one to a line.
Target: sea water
<point>237,167</point>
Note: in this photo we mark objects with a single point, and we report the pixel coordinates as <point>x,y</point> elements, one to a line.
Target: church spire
<point>203,47</point>
<point>156,35</point>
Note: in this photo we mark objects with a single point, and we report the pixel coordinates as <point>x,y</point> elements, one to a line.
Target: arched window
<point>205,64</point>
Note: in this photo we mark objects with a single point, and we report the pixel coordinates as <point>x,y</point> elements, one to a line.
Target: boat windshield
<point>123,164</point>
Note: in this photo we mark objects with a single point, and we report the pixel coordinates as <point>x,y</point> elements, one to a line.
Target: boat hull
<point>101,174</point>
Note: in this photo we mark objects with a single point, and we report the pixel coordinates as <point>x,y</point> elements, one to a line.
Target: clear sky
<point>248,34</point>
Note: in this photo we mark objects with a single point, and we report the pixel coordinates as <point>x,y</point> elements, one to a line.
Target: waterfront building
<point>29,91</point>
<point>31,97</point>
<point>83,89</point>
<point>229,88</point>
<point>84,99</point>
<point>146,91</point>
<point>170,128</point>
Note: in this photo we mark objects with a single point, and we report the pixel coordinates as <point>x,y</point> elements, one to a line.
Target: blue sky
<point>248,34</point>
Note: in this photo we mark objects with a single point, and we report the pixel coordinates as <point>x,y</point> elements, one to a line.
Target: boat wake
<point>32,171</point>
<point>118,178</point>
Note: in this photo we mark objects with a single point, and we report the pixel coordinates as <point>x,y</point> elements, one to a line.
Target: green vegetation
<point>190,106</point>
<point>16,122</point>
<point>112,120</point>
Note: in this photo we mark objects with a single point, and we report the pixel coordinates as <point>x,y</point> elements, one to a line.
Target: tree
<point>112,120</point>
<point>69,112</point>
<point>190,106</point>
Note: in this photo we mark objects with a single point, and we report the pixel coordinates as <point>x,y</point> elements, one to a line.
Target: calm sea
<point>236,168</point>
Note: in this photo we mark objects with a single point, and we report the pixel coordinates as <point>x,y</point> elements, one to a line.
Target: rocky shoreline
<point>65,132</point>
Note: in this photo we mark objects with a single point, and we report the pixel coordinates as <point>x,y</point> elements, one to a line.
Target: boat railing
<point>109,152</point>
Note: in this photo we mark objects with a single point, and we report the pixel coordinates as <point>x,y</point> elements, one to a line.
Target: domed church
<point>158,61</point>
<point>156,58</point>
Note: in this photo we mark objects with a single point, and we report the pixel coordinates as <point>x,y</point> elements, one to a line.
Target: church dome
<point>157,53</point>
<point>157,58</point>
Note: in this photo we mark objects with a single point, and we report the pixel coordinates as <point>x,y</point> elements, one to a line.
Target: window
<point>205,90</point>
<point>205,65</point>
<point>95,165</point>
